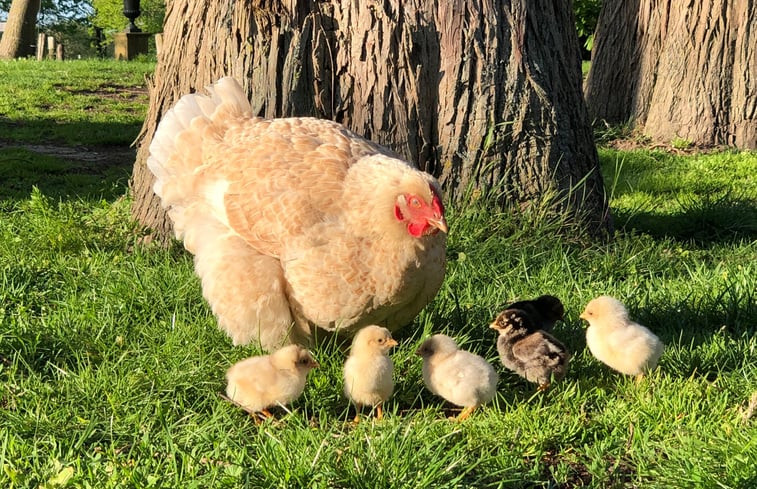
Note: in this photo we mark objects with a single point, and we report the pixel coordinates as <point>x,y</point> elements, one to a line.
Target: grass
<point>110,360</point>
<point>72,102</point>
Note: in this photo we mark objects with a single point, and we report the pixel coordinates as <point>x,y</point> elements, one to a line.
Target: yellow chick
<point>258,383</point>
<point>615,340</point>
<point>458,376</point>
<point>368,370</point>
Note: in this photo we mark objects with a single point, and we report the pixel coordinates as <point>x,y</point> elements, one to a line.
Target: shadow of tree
<point>707,219</point>
<point>61,172</point>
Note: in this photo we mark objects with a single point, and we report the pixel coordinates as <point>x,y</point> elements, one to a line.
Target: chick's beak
<point>391,342</point>
<point>582,315</point>
<point>494,325</point>
<point>314,364</point>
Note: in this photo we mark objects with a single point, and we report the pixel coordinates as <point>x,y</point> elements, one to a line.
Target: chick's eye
<point>380,341</point>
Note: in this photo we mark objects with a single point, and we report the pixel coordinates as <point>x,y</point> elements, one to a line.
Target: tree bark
<point>20,30</point>
<point>484,95</point>
<point>683,70</point>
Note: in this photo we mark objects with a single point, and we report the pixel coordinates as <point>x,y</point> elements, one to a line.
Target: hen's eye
<point>415,202</point>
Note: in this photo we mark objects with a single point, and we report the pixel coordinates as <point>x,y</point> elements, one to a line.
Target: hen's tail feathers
<point>176,147</point>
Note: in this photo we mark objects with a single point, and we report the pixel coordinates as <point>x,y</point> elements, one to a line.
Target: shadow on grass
<point>81,132</point>
<point>705,220</point>
<point>63,173</point>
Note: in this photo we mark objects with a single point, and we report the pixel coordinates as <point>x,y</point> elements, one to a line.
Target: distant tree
<point>677,70</point>
<point>54,12</point>
<point>109,15</point>
<point>20,36</point>
<point>587,13</point>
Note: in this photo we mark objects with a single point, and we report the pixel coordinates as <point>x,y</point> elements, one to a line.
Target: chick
<point>458,376</point>
<point>526,350</point>
<point>615,340</point>
<point>257,383</point>
<point>368,370</point>
<point>544,311</point>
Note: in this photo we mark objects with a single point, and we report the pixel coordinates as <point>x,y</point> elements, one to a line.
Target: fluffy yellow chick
<point>615,340</point>
<point>258,383</point>
<point>368,370</point>
<point>458,376</point>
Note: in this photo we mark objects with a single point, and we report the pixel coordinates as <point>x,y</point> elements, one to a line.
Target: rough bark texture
<point>481,94</point>
<point>20,33</point>
<point>678,69</point>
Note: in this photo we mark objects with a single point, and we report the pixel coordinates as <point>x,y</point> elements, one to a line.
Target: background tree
<point>683,70</point>
<point>20,36</point>
<point>68,21</point>
<point>109,16</point>
<point>483,95</point>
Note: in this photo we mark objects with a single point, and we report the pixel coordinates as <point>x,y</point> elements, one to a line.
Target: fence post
<point>50,47</point>
<point>59,52</point>
<point>40,46</point>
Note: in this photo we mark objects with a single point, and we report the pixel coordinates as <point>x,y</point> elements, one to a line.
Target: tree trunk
<point>484,95</point>
<point>683,70</point>
<point>20,33</point>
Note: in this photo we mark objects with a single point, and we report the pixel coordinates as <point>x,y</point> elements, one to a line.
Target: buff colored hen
<point>296,224</point>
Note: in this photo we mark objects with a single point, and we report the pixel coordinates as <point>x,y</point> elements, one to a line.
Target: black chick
<point>528,351</point>
<point>544,311</point>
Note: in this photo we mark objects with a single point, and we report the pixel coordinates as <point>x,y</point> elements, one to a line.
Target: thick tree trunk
<point>678,69</point>
<point>20,34</point>
<point>484,95</point>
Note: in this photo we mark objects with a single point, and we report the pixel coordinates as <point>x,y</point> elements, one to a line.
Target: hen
<point>298,223</point>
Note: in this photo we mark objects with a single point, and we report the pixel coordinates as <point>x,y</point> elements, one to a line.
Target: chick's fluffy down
<point>368,370</point>
<point>458,376</point>
<point>258,383</point>
<point>617,341</point>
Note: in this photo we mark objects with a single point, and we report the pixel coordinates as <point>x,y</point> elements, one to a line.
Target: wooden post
<point>50,47</point>
<point>59,52</point>
<point>40,46</point>
<point>158,43</point>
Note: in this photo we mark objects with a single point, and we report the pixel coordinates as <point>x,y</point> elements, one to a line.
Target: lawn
<point>111,362</point>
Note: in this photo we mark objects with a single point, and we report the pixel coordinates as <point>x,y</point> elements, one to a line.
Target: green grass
<point>111,362</point>
<point>73,102</point>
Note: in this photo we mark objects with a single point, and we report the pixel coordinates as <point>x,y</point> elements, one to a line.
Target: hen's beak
<point>440,224</point>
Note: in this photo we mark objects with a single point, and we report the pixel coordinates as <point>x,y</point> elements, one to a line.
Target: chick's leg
<point>543,386</point>
<point>465,413</point>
